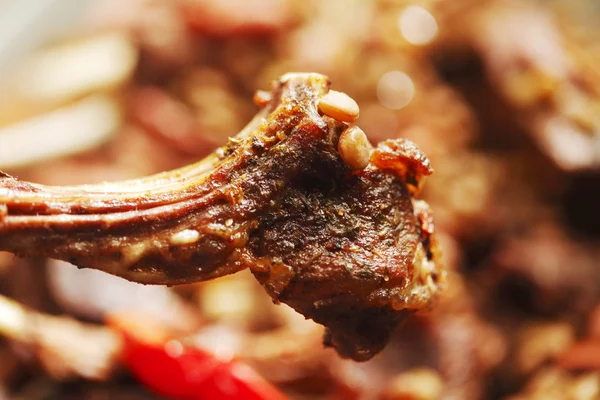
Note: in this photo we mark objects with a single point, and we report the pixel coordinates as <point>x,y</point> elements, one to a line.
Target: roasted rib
<point>325,222</point>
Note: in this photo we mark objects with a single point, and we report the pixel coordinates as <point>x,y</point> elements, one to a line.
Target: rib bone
<point>345,245</point>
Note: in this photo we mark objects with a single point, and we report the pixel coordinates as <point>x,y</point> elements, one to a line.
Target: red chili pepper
<point>186,373</point>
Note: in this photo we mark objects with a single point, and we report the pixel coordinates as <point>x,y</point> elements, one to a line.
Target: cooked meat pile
<point>327,224</point>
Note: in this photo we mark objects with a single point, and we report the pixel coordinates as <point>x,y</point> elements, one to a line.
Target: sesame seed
<point>339,106</point>
<point>354,148</point>
<point>261,98</point>
<point>186,236</point>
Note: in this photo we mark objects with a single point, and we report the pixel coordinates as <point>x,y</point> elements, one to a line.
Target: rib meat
<point>349,248</point>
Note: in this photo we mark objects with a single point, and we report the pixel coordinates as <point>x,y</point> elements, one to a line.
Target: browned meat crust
<point>348,248</point>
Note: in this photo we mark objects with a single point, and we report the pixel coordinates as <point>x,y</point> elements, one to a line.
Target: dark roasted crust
<point>344,254</point>
<point>345,248</point>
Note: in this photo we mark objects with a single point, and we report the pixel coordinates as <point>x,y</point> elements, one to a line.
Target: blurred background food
<point>503,95</point>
